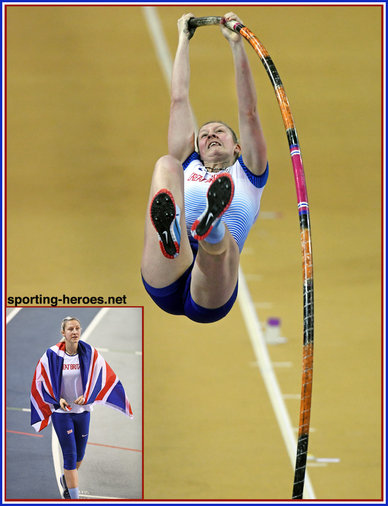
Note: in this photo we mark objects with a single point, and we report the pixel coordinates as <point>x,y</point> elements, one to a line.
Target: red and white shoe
<point>219,197</point>
<point>163,218</point>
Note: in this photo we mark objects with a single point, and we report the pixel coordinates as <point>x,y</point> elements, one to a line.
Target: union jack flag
<point>99,381</point>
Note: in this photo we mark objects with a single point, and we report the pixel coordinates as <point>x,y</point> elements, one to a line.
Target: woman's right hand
<point>183,28</point>
<point>64,404</point>
<point>229,34</point>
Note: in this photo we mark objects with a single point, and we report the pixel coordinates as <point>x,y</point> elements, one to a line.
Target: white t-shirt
<point>71,387</point>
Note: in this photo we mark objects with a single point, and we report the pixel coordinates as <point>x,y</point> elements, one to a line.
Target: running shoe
<point>163,215</point>
<point>66,493</point>
<point>219,198</point>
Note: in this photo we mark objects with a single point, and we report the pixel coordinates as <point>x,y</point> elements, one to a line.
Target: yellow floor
<point>87,115</point>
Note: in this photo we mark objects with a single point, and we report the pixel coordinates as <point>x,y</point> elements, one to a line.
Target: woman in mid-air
<point>205,195</point>
<point>68,379</point>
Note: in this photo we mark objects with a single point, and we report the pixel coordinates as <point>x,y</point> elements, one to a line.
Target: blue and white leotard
<point>244,209</point>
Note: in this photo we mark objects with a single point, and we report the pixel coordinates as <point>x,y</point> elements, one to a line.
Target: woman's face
<point>216,143</point>
<point>72,331</point>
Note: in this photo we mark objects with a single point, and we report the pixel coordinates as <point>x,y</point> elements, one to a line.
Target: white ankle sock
<point>177,213</point>
<point>74,493</point>
<point>217,233</point>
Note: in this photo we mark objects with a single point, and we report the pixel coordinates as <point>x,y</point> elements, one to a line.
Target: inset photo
<point>73,403</point>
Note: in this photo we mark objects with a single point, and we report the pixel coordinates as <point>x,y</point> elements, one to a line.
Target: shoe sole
<point>219,198</point>
<point>163,214</point>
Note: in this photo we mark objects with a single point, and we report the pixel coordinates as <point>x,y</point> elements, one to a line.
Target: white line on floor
<point>160,44</point>
<point>26,410</point>
<point>88,496</point>
<point>282,364</point>
<point>267,371</point>
<point>263,305</point>
<point>12,314</point>
<point>253,277</point>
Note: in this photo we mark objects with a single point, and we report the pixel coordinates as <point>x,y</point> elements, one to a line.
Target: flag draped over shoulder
<point>99,381</point>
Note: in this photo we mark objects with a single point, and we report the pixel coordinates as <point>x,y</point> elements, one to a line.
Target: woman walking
<point>69,378</point>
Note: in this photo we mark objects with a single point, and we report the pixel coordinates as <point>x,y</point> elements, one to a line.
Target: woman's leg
<point>81,433</point>
<point>215,272</point>
<point>72,483</point>
<point>65,430</point>
<point>157,270</point>
<point>81,423</point>
<point>71,477</point>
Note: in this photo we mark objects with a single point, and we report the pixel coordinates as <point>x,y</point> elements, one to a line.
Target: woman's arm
<point>253,145</point>
<point>181,126</point>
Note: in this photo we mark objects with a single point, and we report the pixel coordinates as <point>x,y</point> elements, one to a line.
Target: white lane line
<point>292,396</point>
<point>56,458</point>
<point>267,371</point>
<point>247,251</point>
<point>245,300</point>
<point>263,305</point>
<point>26,410</point>
<point>93,324</point>
<point>270,215</point>
<point>296,429</point>
<point>55,448</point>
<point>253,277</point>
<point>12,314</point>
<point>160,44</point>
<point>328,460</point>
<point>322,461</point>
<point>88,496</point>
<point>282,364</point>
<point>108,350</point>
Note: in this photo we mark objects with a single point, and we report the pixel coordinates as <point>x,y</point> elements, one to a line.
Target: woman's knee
<point>201,314</point>
<point>222,263</point>
<point>168,173</point>
<point>69,461</point>
<point>167,163</point>
<point>214,277</point>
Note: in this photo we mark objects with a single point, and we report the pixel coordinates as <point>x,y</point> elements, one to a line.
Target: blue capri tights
<point>72,430</point>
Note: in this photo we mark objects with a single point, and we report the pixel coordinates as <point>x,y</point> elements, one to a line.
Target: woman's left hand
<point>230,34</point>
<point>80,400</point>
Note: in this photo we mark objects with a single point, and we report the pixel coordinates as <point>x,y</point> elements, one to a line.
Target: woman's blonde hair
<point>68,319</point>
